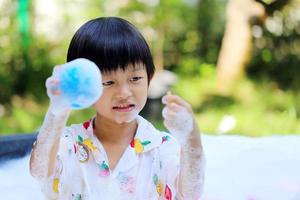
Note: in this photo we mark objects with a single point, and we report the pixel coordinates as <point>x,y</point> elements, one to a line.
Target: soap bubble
<point>80,83</point>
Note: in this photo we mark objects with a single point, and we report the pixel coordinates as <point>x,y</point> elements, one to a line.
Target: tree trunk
<point>237,42</point>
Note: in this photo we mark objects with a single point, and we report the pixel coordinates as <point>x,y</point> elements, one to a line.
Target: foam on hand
<point>80,83</point>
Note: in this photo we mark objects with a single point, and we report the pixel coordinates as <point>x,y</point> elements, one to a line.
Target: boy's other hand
<point>178,117</point>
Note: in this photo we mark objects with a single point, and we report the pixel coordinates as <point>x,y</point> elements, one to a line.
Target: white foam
<point>16,181</point>
<point>238,168</point>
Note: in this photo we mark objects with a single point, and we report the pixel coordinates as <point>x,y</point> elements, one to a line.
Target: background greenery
<point>188,33</point>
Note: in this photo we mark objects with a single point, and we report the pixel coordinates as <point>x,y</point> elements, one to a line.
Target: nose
<point>124,91</point>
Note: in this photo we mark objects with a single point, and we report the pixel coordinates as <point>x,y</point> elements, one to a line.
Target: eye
<point>136,79</point>
<point>107,83</point>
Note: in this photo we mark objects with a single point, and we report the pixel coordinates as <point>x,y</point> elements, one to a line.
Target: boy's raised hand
<point>178,117</point>
<point>52,84</point>
<point>74,85</point>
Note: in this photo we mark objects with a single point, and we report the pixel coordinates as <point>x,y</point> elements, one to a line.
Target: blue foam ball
<point>80,83</point>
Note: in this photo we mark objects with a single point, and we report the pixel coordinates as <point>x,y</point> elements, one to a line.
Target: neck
<point>110,132</point>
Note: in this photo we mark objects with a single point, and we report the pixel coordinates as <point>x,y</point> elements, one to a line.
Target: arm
<point>179,120</point>
<point>191,178</point>
<point>43,155</point>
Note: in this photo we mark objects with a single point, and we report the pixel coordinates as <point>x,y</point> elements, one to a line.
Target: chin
<point>126,119</point>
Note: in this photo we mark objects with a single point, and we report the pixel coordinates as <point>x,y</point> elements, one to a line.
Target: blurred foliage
<point>25,60</point>
<point>277,52</point>
<point>188,33</point>
<point>25,115</point>
<point>259,109</point>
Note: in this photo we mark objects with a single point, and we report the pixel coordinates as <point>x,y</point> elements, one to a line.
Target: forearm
<point>179,120</point>
<point>43,155</point>
<point>192,162</point>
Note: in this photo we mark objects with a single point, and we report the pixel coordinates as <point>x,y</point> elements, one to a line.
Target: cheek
<point>101,104</point>
<point>142,95</point>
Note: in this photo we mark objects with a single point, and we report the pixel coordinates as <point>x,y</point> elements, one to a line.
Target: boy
<point>117,154</point>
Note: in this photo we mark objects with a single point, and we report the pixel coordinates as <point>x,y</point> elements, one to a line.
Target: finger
<point>167,99</point>
<point>174,109</point>
<point>52,82</point>
<point>52,85</point>
<point>172,125</point>
<point>171,98</point>
<point>168,113</point>
<point>55,92</point>
<point>51,92</point>
<point>176,113</point>
<point>177,106</point>
<point>168,124</point>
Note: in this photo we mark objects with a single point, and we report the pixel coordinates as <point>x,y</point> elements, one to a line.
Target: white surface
<point>238,168</point>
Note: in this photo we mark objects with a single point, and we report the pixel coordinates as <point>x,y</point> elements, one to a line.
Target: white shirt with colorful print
<point>148,169</point>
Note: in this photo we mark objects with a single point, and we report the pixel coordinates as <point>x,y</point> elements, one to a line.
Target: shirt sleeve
<point>170,166</point>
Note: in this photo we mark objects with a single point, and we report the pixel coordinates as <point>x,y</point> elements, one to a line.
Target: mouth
<point>124,107</point>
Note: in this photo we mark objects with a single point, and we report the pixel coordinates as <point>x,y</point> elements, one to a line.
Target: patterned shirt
<point>148,169</point>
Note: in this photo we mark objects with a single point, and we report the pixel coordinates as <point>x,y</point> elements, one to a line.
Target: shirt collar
<point>146,138</point>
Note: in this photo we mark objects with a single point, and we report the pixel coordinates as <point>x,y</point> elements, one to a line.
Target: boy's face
<point>124,94</point>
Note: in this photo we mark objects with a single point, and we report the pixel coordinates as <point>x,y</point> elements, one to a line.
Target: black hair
<point>111,43</point>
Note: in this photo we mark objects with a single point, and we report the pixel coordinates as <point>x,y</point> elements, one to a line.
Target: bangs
<point>112,43</point>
